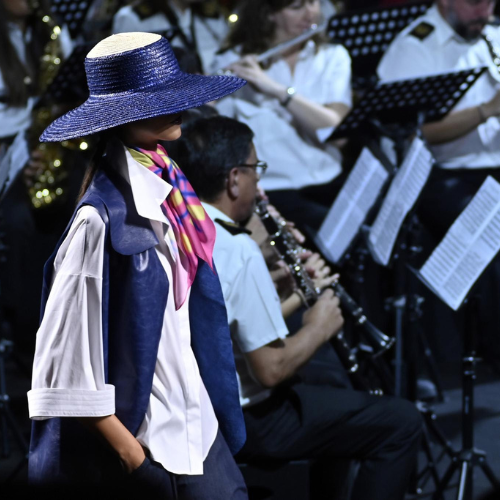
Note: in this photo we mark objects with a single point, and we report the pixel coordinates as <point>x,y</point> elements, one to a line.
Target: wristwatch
<point>290,92</point>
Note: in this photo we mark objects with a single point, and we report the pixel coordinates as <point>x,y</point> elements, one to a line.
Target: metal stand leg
<point>468,457</point>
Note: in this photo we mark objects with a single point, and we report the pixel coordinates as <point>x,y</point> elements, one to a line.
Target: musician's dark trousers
<point>321,421</point>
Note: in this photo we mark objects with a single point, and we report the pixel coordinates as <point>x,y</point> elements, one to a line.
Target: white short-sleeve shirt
<point>180,425</point>
<point>323,75</point>
<point>253,306</point>
<point>444,51</point>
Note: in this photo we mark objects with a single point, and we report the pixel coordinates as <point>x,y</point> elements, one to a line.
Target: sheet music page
<point>403,193</point>
<point>468,247</point>
<point>351,206</point>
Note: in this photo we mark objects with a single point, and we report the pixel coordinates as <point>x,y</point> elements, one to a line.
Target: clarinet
<point>282,242</point>
<point>379,341</point>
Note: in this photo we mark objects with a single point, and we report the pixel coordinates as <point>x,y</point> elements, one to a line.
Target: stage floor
<point>487,423</point>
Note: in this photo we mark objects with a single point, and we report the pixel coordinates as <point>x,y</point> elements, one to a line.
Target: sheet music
<point>403,193</point>
<point>13,161</point>
<point>468,247</point>
<point>351,206</point>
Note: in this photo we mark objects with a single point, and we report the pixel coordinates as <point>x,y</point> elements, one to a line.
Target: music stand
<point>70,83</point>
<point>366,34</point>
<point>408,102</point>
<point>71,13</point>
<point>397,110</point>
<point>468,456</point>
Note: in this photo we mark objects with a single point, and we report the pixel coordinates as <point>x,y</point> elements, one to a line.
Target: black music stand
<point>468,457</point>
<point>397,110</point>
<point>388,106</point>
<point>71,13</point>
<point>366,34</point>
<point>70,83</point>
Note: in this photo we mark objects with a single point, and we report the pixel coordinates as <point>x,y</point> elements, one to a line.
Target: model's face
<point>467,17</point>
<point>17,9</point>
<point>247,186</point>
<point>147,133</point>
<point>296,18</point>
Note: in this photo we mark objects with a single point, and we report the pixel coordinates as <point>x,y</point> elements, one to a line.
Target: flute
<point>281,47</point>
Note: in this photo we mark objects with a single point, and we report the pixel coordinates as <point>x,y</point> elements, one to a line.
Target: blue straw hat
<point>133,76</point>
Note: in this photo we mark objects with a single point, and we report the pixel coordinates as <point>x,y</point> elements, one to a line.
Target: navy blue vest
<point>135,290</point>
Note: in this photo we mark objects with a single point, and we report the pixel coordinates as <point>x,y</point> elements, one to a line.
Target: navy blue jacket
<point>135,290</point>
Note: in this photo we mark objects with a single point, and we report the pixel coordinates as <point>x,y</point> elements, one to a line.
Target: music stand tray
<point>404,101</point>
<point>71,13</point>
<point>366,34</point>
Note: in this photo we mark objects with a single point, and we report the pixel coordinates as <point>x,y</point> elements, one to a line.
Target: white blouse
<point>180,425</point>
<point>296,160</point>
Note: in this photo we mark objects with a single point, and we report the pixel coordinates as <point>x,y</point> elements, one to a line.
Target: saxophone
<point>49,184</point>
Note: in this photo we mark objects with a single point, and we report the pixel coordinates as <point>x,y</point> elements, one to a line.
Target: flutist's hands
<point>249,69</point>
<point>325,316</point>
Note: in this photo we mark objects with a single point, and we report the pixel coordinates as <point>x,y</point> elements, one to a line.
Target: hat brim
<point>103,112</point>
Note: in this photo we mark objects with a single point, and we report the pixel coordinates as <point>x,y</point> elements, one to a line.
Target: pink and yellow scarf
<point>194,231</point>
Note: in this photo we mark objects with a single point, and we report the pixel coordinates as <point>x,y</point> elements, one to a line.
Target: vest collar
<point>130,233</point>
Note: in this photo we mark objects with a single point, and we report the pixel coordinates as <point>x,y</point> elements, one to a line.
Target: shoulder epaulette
<point>143,10</point>
<point>422,30</point>
<point>494,21</point>
<point>232,228</point>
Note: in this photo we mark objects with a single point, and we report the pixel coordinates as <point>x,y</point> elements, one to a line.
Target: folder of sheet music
<point>403,193</point>
<point>468,247</point>
<point>352,205</point>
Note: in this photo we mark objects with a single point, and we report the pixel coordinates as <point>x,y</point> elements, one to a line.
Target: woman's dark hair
<point>208,149</point>
<point>14,72</point>
<point>254,31</point>
<point>95,163</point>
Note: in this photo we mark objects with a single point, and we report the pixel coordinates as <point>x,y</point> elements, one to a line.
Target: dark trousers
<point>324,422</point>
<point>221,479</point>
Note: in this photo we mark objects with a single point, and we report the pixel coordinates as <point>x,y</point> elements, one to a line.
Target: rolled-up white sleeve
<point>68,371</point>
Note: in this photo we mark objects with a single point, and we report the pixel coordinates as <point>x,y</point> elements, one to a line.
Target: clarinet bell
<point>379,341</point>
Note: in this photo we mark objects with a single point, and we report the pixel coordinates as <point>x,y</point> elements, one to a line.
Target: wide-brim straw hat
<point>134,76</point>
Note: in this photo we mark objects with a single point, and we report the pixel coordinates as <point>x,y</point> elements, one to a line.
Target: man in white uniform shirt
<point>287,417</point>
<point>452,36</point>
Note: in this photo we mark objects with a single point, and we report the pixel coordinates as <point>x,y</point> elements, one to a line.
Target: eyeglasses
<point>260,167</point>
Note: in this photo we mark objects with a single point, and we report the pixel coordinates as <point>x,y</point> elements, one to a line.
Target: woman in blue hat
<point>133,377</point>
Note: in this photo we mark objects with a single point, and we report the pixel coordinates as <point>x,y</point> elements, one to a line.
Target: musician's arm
<point>279,360</point>
<point>460,123</point>
<point>312,116</point>
<point>308,114</point>
<point>291,304</point>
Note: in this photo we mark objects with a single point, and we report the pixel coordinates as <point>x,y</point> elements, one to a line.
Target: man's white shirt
<point>444,51</point>
<point>253,306</point>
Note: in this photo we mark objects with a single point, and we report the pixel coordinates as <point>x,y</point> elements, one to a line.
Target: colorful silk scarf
<point>193,230</point>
